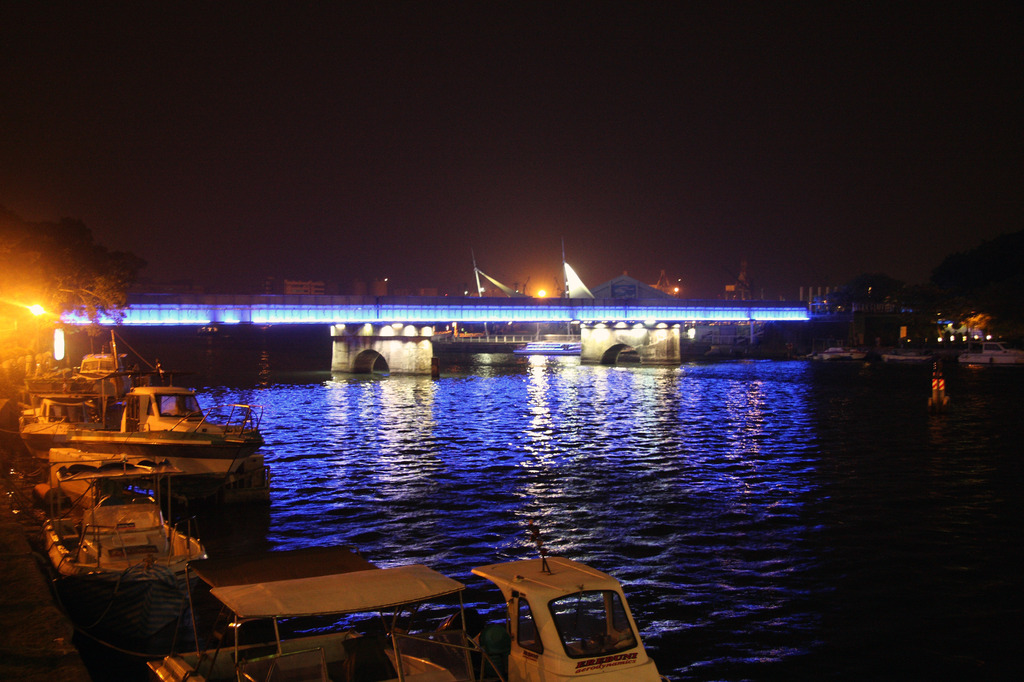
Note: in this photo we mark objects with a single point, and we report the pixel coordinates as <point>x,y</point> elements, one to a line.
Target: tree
<point>989,283</point>
<point>59,266</point>
<point>868,288</point>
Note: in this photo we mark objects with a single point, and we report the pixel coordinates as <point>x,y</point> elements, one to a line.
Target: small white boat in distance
<point>550,348</point>
<point>563,621</point>
<point>992,353</point>
<point>839,353</point>
<point>908,355</point>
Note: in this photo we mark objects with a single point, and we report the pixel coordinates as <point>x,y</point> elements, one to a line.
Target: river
<point>768,519</point>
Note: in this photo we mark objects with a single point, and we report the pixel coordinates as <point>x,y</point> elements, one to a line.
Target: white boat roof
<point>265,567</point>
<point>359,591</point>
<point>566,577</point>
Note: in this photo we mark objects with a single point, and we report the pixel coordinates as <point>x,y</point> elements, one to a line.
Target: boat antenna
<point>539,541</point>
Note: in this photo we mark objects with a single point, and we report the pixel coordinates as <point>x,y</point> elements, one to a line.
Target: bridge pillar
<point>406,348</point>
<point>657,344</point>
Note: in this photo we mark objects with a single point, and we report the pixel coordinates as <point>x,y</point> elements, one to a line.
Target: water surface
<point>768,519</point>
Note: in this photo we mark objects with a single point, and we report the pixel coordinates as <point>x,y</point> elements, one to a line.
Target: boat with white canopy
<point>119,563</point>
<point>580,625</point>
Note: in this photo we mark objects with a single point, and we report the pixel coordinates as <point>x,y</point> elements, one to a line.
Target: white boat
<point>86,398</point>
<point>992,353</point>
<point>119,565</point>
<point>550,348</point>
<point>167,423</point>
<point>909,356</point>
<point>839,353</point>
<point>567,620</point>
<point>563,621</point>
<point>46,425</point>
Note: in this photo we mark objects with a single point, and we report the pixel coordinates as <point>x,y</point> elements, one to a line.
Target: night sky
<point>224,142</point>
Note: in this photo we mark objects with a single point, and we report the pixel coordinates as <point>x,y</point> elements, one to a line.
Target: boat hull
<point>39,438</point>
<point>193,456</point>
<point>124,606</point>
<point>991,359</point>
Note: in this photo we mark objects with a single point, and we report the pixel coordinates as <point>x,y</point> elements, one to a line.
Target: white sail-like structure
<point>574,285</point>
<point>508,291</point>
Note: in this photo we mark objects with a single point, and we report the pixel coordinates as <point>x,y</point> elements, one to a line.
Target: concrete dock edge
<point>35,635</point>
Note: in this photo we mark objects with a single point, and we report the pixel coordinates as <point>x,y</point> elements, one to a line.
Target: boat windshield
<point>592,623</point>
<point>179,405</point>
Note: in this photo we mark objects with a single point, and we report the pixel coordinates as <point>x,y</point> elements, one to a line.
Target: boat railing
<point>238,419</point>
<point>307,664</point>
<point>234,418</point>
<point>420,652</point>
<point>190,534</point>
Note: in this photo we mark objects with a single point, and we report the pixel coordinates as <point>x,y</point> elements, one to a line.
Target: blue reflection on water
<point>747,507</point>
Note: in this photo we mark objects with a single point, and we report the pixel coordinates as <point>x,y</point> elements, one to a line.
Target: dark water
<point>769,520</point>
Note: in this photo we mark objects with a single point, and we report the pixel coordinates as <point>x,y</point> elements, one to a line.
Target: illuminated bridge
<point>176,309</point>
<point>399,329</point>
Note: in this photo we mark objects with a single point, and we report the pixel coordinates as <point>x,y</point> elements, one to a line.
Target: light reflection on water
<point>764,516</point>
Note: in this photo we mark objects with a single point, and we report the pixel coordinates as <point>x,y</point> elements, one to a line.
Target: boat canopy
<point>359,591</point>
<point>266,567</point>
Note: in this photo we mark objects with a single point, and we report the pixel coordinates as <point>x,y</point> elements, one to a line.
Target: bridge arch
<point>611,355</point>
<point>369,361</point>
<point>361,348</point>
<point>658,343</point>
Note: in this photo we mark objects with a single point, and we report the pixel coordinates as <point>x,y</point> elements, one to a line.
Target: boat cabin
<point>67,409</point>
<point>160,408</point>
<point>568,620</point>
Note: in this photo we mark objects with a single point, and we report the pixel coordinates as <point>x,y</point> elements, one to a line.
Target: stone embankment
<point>35,636</point>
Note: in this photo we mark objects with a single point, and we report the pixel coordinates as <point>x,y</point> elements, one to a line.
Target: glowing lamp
<point>58,344</point>
<point>36,309</point>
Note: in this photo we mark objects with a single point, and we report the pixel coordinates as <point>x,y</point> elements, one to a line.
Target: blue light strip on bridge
<point>159,309</point>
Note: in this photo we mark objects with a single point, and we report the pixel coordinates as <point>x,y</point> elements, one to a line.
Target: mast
<point>476,273</point>
<point>565,273</point>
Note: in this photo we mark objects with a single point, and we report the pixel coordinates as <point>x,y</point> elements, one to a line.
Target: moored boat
<point>119,564</point>
<point>839,353</point>
<point>86,398</point>
<point>992,353</point>
<point>550,348</point>
<point>167,423</point>
<point>46,425</point>
<point>908,356</point>
<point>564,620</point>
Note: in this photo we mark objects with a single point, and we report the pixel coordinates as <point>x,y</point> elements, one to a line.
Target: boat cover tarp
<point>85,471</point>
<point>360,591</point>
<point>266,567</point>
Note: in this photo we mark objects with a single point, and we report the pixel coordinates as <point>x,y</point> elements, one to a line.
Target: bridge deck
<point>176,309</point>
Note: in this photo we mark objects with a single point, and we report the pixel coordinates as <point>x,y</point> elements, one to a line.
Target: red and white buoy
<point>939,399</point>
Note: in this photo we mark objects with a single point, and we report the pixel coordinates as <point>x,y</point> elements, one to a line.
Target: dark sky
<point>227,141</point>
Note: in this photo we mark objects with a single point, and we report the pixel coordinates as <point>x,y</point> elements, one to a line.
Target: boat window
<point>526,629</point>
<point>178,406</point>
<point>593,623</point>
